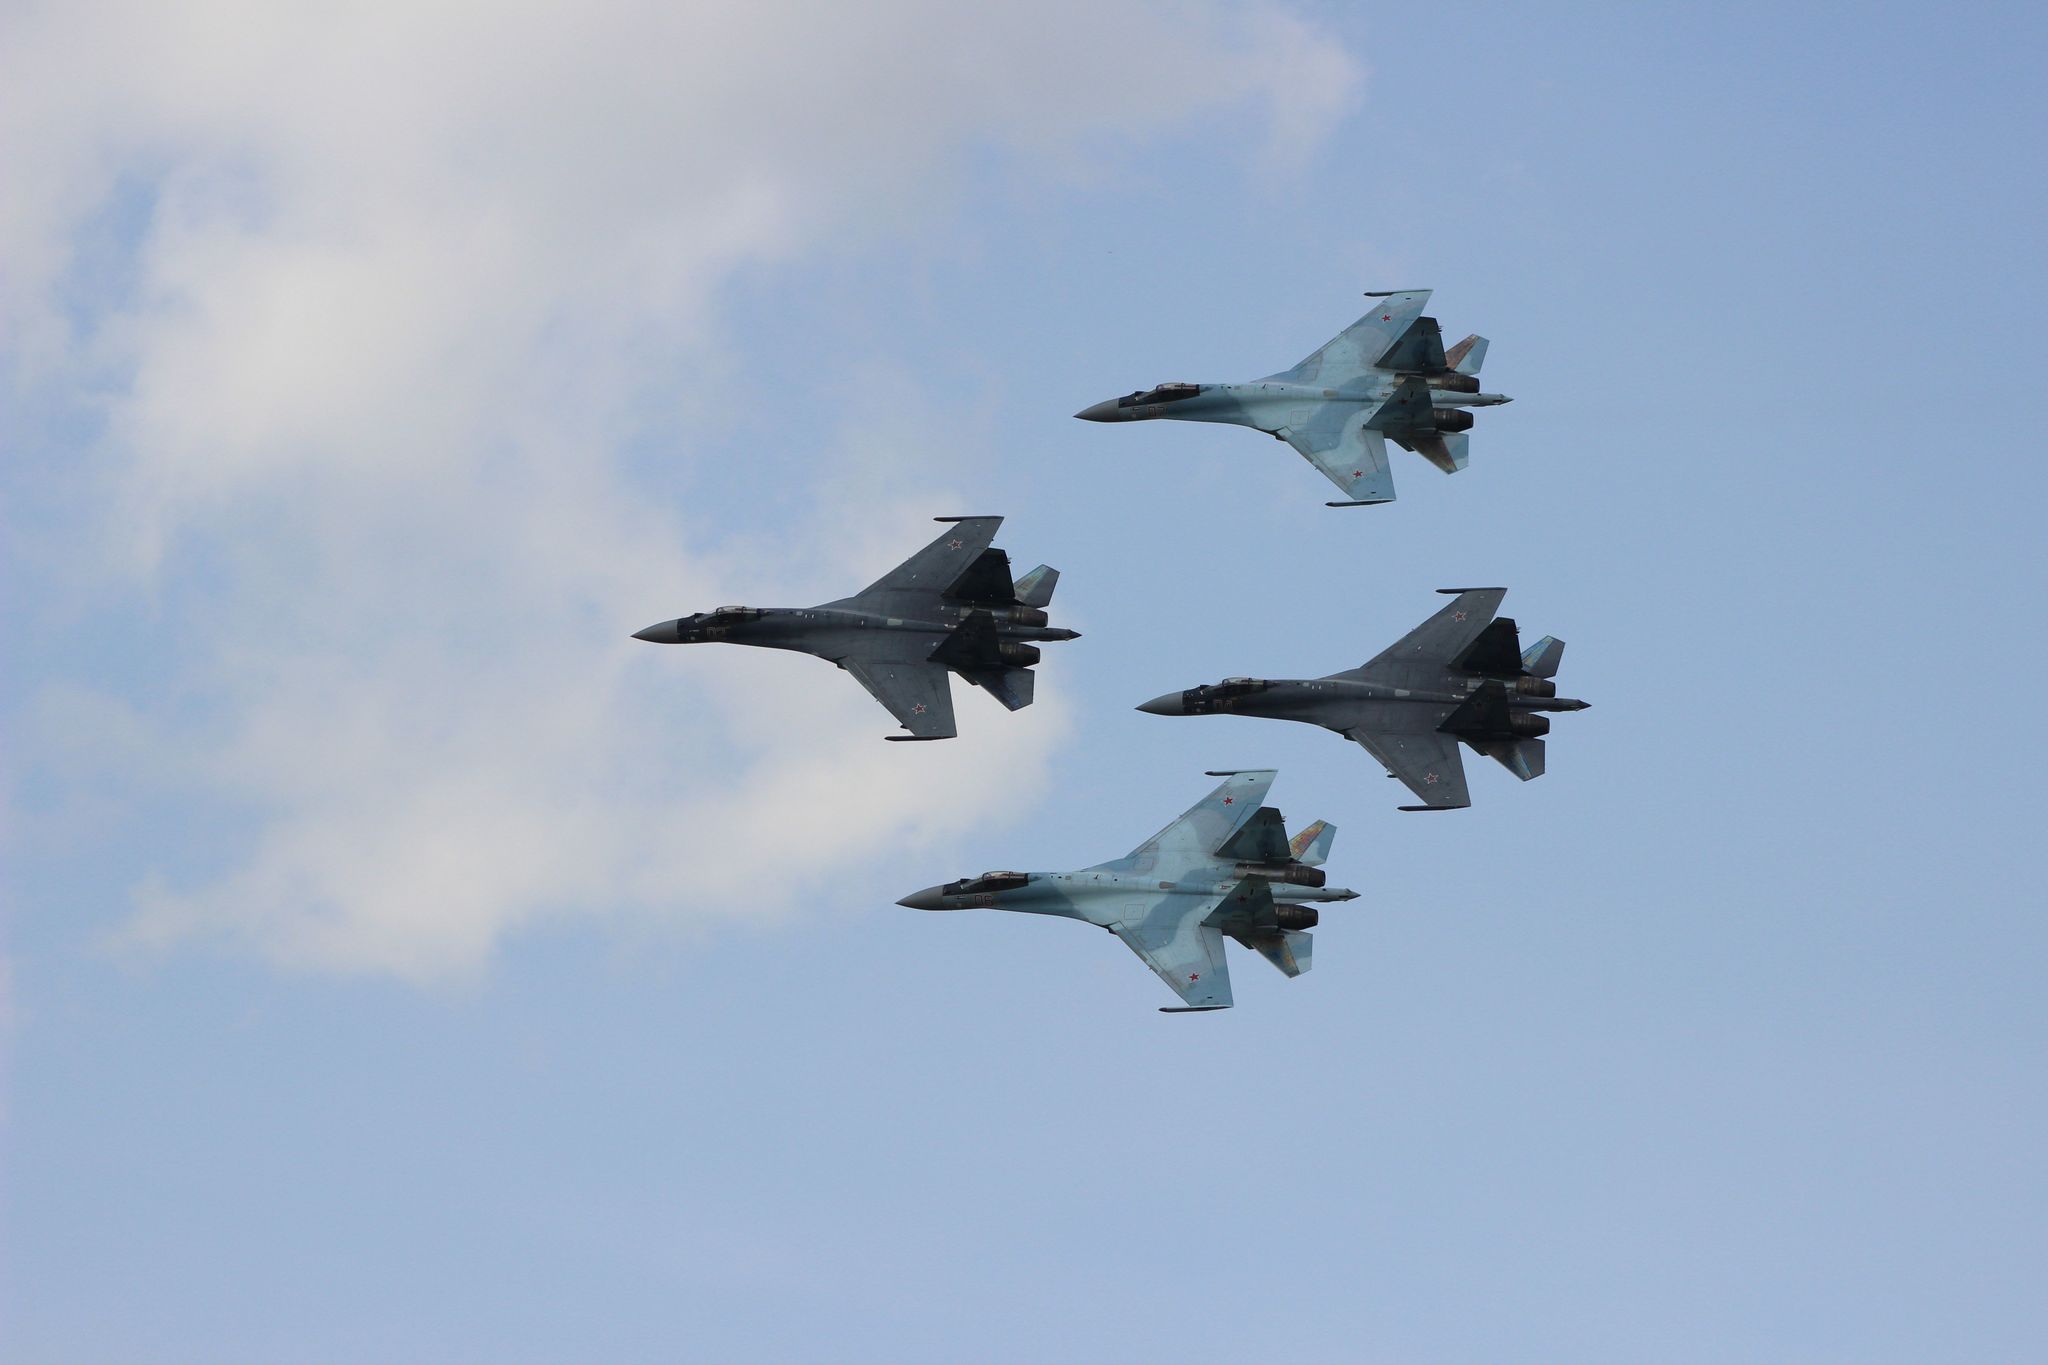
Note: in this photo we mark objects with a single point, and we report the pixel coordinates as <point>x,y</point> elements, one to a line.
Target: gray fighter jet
<point>950,608</point>
<point>1462,675</point>
<point>1385,376</point>
<point>1225,867</point>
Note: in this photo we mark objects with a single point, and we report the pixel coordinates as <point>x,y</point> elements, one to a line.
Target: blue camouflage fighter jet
<point>1226,867</point>
<point>1385,377</point>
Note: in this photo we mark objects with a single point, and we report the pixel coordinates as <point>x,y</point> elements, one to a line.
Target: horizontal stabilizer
<point>1288,949</point>
<point>986,580</point>
<point>1035,588</point>
<point>1484,712</point>
<point>974,644</point>
<point>1261,839</point>
<point>1541,659</point>
<point>1495,651</point>
<point>1419,349</point>
<point>1312,845</point>
<point>1406,409</point>
<point>1013,687</point>
<point>1468,355</point>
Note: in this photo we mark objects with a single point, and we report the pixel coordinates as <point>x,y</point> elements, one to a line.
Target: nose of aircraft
<point>1105,411</point>
<point>931,898</point>
<point>1169,704</point>
<point>666,633</point>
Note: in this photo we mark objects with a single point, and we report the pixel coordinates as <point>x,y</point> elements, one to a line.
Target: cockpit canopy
<point>987,883</point>
<point>726,616</point>
<point>1165,393</point>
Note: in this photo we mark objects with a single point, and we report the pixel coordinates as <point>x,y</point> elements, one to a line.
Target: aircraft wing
<point>1442,637</point>
<point>1187,953</point>
<point>1427,763</point>
<point>919,695</point>
<point>935,568</point>
<point>1209,823</point>
<point>1372,342</point>
<point>1339,440</point>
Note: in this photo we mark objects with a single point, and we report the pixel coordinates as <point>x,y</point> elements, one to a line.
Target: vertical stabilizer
<point>1541,659</point>
<point>1035,588</point>
<point>1288,949</point>
<point>1468,355</point>
<point>1523,757</point>
<point>1312,845</point>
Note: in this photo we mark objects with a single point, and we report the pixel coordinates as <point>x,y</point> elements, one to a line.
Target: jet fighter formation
<point>1386,375</point>
<point>1227,868</point>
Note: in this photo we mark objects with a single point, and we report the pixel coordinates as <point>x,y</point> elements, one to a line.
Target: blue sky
<point>404,965</point>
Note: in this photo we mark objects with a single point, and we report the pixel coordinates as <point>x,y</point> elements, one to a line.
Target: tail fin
<point>1523,757</point>
<point>1287,949</point>
<point>1468,355</point>
<point>1010,686</point>
<point>1312,845</point>
<point>1448,452</point>
<point>1541,659</point>
<point>1035,588</point>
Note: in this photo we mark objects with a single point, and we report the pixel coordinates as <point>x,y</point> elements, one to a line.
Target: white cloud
<point>405,271</point>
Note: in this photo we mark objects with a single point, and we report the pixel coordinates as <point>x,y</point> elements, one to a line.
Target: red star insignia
<point>1358,473</point>
<point>953,544</point>
<point>1386,317</point>
<point>1429,778</point>
<point>917,710</point>
<point>1229,800</point>
<point>1194,976</point>
<point>1457,616</point>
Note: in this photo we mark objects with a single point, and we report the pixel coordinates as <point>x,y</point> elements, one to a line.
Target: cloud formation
<point>391,286</point>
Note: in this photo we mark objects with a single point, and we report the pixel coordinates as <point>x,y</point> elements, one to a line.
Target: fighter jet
<point>1462,675</point>
<point>1386,375</point>
<point>1225,867</point>
<point>950,608</point>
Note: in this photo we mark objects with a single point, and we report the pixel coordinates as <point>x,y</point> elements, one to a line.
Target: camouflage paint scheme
<point>950,608</point>
<point>1385,376</point>
<point>1460,676</point>
<point>1225,867</point>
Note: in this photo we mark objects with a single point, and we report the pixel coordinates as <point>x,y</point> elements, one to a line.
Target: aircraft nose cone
<point>1169,704</point>
<point>931,898</point>
<point>1105,411</point>
<point>666,633</point>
